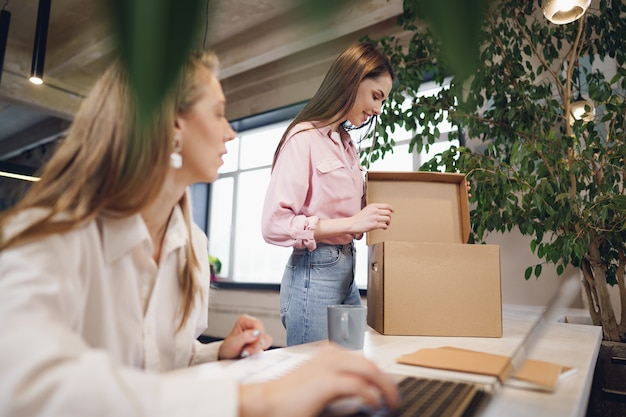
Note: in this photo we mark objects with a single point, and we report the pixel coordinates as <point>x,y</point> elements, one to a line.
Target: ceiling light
<point>41,37</point>
<point>18,176</point>
<point>581,109</point>
<point>17,171</point>
<point>564,11</point>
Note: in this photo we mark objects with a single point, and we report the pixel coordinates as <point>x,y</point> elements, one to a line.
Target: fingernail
<point>244,354</point>
<point>256,333</point>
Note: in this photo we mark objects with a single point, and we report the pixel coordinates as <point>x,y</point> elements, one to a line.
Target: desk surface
<point>574,345</point>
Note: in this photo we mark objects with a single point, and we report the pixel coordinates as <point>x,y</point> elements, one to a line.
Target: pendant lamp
<point>41,37</point>
<point>581,109</point>
<point>564,11</point>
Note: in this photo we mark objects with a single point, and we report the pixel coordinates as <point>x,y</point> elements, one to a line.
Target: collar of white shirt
<point>120,235</point>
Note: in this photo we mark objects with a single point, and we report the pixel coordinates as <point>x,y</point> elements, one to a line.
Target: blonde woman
<point>104,278</point>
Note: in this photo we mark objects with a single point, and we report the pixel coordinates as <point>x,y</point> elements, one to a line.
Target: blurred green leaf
<point>322,10</point>
<point>153,38</point>
<point>457,26</point>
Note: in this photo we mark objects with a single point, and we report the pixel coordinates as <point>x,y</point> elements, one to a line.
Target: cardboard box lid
<point>428,206</point>
<point>540,375</point>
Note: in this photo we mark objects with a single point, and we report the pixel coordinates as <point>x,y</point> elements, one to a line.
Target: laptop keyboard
<point>420,397</point>
<point>430,397</point>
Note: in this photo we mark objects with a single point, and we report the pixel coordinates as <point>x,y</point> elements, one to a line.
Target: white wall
<point>225,305</point>
<point>515,257</point>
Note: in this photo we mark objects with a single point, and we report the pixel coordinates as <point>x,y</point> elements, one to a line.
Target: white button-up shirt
<point>88,325</point>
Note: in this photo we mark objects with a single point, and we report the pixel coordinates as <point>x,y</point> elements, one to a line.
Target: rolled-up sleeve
<point>284,220</point>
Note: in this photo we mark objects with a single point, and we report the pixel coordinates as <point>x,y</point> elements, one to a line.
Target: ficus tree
<point>531,165</point>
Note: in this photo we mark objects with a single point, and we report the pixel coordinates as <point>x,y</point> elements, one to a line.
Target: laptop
<point>434,397</point>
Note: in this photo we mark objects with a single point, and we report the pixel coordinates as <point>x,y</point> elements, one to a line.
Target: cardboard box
<point>434,289</point>
<point>423,278</point>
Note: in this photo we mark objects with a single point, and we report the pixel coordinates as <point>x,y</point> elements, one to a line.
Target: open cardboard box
<point>423,278</point>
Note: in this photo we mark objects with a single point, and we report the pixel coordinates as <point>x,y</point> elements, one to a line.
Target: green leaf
<point>561,197</point>
<point>620,202</point>
<point>153,39</point>
<point>528,273</point>
<point>457,24</point>
<point>322,11</point>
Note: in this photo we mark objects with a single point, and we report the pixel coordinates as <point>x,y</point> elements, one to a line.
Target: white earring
<point>176,159</point>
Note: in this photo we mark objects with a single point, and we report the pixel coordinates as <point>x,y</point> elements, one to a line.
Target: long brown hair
<point>337,93</point>
<point>108,163</point>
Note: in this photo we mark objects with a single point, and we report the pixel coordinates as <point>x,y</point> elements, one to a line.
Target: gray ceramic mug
<point>346,325</point>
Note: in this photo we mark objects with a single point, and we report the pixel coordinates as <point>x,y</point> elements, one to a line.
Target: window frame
<point>202,214</point>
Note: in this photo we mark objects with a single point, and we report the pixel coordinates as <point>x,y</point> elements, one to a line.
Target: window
<point>236,197</point>
<point>236,204</point>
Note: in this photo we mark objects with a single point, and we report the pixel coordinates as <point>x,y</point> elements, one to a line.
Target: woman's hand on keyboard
<point>332,374</point>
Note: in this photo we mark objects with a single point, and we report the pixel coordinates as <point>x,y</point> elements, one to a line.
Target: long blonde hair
<point>337,93</point>
<point>109,162</point>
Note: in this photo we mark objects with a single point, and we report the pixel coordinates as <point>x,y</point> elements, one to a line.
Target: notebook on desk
<point>435,397</point>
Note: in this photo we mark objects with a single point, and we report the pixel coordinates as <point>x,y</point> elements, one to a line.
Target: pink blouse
<point>317,176</point>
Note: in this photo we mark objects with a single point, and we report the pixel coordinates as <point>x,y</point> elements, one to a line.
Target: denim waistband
<point>343,248</point>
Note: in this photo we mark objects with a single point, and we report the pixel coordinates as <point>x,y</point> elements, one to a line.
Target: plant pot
<point>608,390</point>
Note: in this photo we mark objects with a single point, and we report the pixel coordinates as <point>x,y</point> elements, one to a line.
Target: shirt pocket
<point>335,181</point>
<point>329,165</point>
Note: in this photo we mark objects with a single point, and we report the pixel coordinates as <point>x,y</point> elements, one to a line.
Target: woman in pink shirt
<point>314,201</point>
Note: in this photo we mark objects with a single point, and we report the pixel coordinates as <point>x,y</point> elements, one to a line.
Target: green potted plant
<point>216,267</point>
<point>560,183</point>
<point>531,164</point>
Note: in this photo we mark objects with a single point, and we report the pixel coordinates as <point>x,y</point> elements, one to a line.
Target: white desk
<point>574,345</point>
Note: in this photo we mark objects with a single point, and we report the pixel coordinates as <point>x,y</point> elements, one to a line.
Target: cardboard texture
<point>533,374</point>
<point>423,279</point>
<point>434,289</point>
<point>428,206</point>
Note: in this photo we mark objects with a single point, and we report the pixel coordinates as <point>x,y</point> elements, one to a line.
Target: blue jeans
<point>311,282</point>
